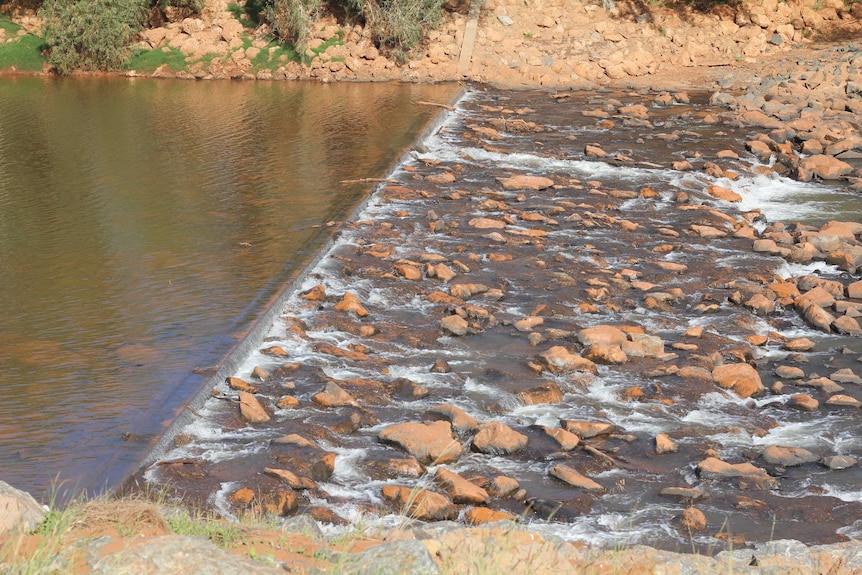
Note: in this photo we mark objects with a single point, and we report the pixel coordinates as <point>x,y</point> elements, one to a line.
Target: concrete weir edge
<point>261,326</point>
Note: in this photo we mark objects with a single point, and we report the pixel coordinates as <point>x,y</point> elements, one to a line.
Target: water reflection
<point>142,226</point>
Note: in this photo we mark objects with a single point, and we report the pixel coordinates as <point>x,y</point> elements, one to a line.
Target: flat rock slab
<point>430,443</point>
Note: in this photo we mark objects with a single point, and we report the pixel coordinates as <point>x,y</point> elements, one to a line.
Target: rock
<point>788,456</point>
<point>605,354</point>
<point>497,438</point>
<point>486,224</point>
<point>501,486</point>
<point>560,360</point>
<point>602,334</point>
<point>420,503</point>
<point>351,304</point>
<point>843,401</point>
<point>823,167</point>
<point>19,512</point>
<point>837,462</point>
<point>760,305</point>
<point>816,316</point>
<point>692,519</point>
<point>178,555</point>
<point>483,515</point>
<point>664,444</point>
<point>712,467</point>
<point>845,375</point>
<point>461,422</point>
<point>789,372</point>
<point>522,182</point>
<point>571,476</point>
<point>566,439</point>
<point>528,323</point>
<point>740,378</point>
<point>240,385</point>
<point>454,325</point>
<point>588,429</point>
<point>430,443</point>
<point>548,392</point>
<point>251,409</point>
<point>389,558</point>
<point>293,480</point>
<point>847,325</point>
<point>684,493</point>
<point>800,344</point>
<point>803,402</point>
<point>334,396</point>
<point>459,489</point>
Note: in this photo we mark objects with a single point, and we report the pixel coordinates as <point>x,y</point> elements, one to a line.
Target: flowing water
<point>143,226</point>
<point>220,453</point>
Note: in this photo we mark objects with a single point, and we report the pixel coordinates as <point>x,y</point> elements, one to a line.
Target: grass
<point>149,60</point>
<point>25,53</point>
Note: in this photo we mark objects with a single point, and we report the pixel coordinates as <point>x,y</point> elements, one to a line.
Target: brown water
<point>143,225</point>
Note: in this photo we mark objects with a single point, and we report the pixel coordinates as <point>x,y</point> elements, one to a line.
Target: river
<point>143,226</point>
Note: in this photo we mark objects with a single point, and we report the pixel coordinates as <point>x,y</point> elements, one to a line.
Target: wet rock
<point>274,351</point>
<point>588,429</point>
<point>350,304</point>
<point>528,323</point>
<point>523,182</point>
<point>760,305</point>
<point>566,439</point>
<point>838,462</point>
<point>560,360</point>
<point>430,443</point>
<point>497,438</point>
<point>803,402</point>
<point>845,375</point>
<point>409,272</point>
<point>487,224</point>
<point>251,409</point>
<point>420,503</point>
<point>441,366</point>
<point>502,486</point>
<point>839,400</point>
<point>404,388</point>
<point>317,293</point>
<point>483,515</point>
<point>334,396</point>
<point>19,512</point>
<point>664,444</point>
<point>847,325</point>
<point>240,385</point>
<point>570,475</point>
<point>823,167</point>
<point>740,378</point>
<point>459,489</point>
<point>460,420</point>
<point>602,334</point>
<point>712,468</point>
<point>548,392</point>
<point>605,354</point>
<point>293,480</point>
<point>800,344</point>
<point>683,493</point>
<point>454,325</point>
<point>287,402</point>
<point>789,372</point>
<point>691,519</point>
<point>787,456</point>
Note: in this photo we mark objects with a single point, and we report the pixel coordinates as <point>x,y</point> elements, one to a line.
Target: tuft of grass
<point>221,532</point>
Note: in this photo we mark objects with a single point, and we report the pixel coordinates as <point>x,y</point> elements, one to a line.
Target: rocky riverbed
<point>578,310</point>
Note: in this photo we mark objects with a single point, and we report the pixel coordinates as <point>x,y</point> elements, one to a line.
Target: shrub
<point>291,20</point>
<point>91,34</point>
<point>399,25</point>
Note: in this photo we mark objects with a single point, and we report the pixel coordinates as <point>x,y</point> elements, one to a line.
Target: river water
<point>220,453</point>
<point>143,226</point>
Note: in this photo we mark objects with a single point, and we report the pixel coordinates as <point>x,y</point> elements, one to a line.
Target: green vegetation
<point>91,34</point>
<point>222,533</point>
<point>150,60</point>
<point>399,25</point>
<point>249,14</point>
<point>25,53</point>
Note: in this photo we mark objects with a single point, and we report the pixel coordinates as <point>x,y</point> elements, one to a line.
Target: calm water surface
<point>143,226</point>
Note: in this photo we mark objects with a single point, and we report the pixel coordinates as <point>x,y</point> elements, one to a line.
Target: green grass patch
<point>25,53</point>
<point>219,531</point>
<point>248,15</point>
<point>271,59</point>
<point>150,60</point>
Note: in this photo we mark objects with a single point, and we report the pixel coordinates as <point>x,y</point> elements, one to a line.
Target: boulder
<point>334,396</point>
<point>788,456</point>
<point>714,468</point>
<point>560,360</point>
<point>602,334</point>
<point>460,420</point>
<point>420,504</point>
<point>570,475</point>
<point>605,354</point>
<point>19,512</point>
<point>740,378</point>
<point>691,519</point>
<point>483,515</point>
<point>548,392</point>
<point>454,325</point>
<point>459,489</point>
<point>497,438</point>
<point>430,443</point>
<point>588,429</point>
<point>823,167</point>
<point>251,409</point>
<point>523,182</point>
<point>351,304</point>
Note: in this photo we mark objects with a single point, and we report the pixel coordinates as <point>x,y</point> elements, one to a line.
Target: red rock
<point>497,438</point>
<point>460,420</point>
<point>482,515</point>
<point>823,167</point>
<point>605,334</point>
<point>430,443</point>
<point>524,182</point>
<point>459,489</point>
<point>692,519</point>
<point>574,478</point>
<point>454,325</point>
<point>420,503</point>
<point>788,456</point>
<point>251,409</point>
<point>605,354</point>
<point>334,396</point>
<point>548,392</point>
<point>240,385</point>
<point>351,304</point>
<point>560,360</point>
<point>741,378</point>
<point>588,429</point>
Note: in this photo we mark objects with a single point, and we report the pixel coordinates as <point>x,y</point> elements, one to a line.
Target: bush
<point>91,34</point>
<point>399,25</point>
<point>291,20</point>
